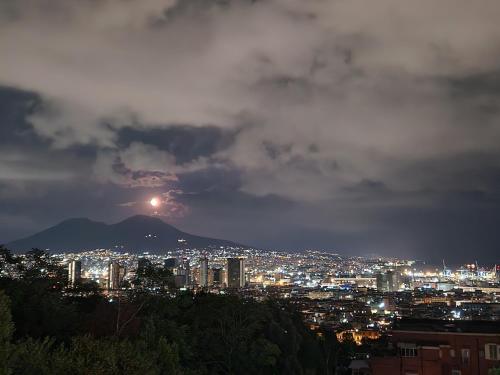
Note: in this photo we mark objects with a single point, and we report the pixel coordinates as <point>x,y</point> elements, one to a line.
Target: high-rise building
<point>204,272</point>
<point>74,272</point>
<point>182,274</point>
<point>381,282</point>
<point>216,276</point>
<point>388,281</point>
<point>180,279</point>
<point>116,273</point>
<point>187,270</point>
<point>235,272</point>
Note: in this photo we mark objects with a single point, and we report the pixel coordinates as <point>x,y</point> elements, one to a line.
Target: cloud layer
<point>352,113</point>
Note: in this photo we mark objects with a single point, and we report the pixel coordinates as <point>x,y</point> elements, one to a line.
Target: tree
<point>32,357</point>
<point>39,310</point>
<point>6,330</point>
<point>153,277</point>
<point>168,358</point>
<point>330,347</point>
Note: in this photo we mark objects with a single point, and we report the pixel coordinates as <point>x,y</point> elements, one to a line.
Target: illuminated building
<point>183,274</point>
<point>435,347</point>
<point>187,270</point>
<point>116,273</point>
<point>357,335</point>
<point>387,281</point>
<point>74,272</point>
<point>216,276</point>
<point>203,272</point>
<point>235,272</point>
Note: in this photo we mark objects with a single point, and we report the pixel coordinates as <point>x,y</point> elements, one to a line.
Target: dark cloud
<point>278,123</point>
<point>187,143</point>
<point>15,105</point>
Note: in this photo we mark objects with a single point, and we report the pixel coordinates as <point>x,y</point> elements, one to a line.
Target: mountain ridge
<point>135,234</point>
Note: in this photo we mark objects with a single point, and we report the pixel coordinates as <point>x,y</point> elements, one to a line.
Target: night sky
<point>353,126</point>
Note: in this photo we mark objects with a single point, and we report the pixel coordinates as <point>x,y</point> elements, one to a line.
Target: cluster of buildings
<point>348,294</point>
<point>438,320</point>
<point>111,272</point>
<point>314,271</point>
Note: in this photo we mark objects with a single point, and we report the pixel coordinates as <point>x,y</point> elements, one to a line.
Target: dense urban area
<point>243,310</point>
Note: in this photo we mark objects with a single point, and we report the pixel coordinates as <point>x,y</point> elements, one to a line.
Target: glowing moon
<point>155,202</point>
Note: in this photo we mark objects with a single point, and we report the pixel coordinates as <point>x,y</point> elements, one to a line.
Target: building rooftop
<point>457,326</point>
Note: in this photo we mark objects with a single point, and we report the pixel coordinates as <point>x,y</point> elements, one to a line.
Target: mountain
<point>136,234</point>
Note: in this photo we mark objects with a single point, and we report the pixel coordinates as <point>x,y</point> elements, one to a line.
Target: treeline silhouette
<point>46,331</point>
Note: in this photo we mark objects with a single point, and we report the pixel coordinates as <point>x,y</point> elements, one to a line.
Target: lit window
<point>491,351</point>
<point>456,372</point>
<point>408,352</point>
<point>465,357</point>
<point>452,353</point>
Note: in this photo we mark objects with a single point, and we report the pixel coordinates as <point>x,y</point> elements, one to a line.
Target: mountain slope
<point>135,234</point>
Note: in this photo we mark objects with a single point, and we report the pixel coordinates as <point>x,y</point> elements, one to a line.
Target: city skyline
<point>142,234</point>
<point>279,124</point>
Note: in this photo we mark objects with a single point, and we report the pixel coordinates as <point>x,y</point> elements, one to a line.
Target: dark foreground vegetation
<point>46,331</point>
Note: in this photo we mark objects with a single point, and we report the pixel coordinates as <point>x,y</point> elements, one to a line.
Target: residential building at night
<point>440,347</point>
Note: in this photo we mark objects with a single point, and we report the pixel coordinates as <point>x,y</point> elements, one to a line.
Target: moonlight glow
<point>155,202</point>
